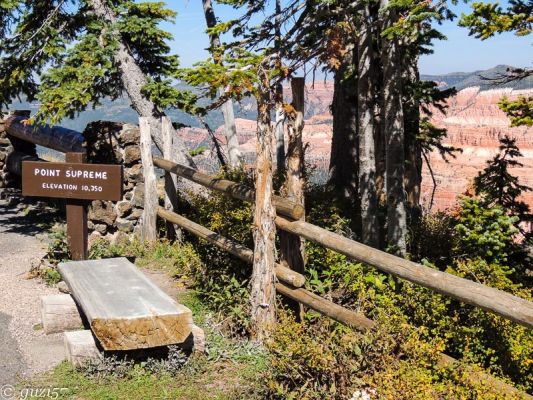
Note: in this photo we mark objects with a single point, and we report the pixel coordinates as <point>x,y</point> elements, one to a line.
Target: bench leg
<point>59,313</point>
<point>80,347</point>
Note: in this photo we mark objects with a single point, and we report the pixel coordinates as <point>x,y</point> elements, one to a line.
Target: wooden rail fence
<point>497,301</point>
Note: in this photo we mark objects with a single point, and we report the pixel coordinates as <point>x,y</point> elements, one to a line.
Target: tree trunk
<point>263,293</point>
<point>343,166</point>
<point>280,114</point>
<point>280,131</point>
<point>393,130</point>
<point>413,161</point>
<point>367,134</point>
<point>149,215</point>
<point>134,81</point>
<point>234,153</point>
<point>292,247</point>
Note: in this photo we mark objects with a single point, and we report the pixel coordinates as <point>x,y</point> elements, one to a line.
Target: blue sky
<point>460,53</point>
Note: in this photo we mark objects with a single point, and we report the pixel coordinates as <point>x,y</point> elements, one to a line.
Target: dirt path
<point>24,348</point>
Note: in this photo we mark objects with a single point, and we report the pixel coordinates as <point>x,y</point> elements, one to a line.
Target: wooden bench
<point>125,310</point>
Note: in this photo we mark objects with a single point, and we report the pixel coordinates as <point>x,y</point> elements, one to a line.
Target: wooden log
<point>54,137</point>
<point>125,310</point>
<point>360,322</point>
<point>283,206</point>
<point>282,273</point>
<point>292,247</point>
<point>59,313</point>
<point>496,301</point>
<point>326,307</point>
<point>80,347</point>
<point>311,300</point>
<point>476,377</point>
<point>149,215</point>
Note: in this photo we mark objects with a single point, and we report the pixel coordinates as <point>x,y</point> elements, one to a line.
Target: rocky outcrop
<point>475,124</point>
<point>473,120</point>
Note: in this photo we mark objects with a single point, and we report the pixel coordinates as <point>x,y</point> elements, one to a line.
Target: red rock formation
<point>475,124</point>
<point>473,120</point>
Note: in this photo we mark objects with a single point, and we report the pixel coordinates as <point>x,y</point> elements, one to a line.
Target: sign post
<point>77,182</point>
<point>77,235</point>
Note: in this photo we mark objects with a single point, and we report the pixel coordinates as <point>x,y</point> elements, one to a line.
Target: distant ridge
<point>462,80</point>
<point>120,110</point>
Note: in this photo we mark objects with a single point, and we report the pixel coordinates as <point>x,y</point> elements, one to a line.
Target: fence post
<point>149,215</point>
<point>292,247</point>
<point>171,180</point>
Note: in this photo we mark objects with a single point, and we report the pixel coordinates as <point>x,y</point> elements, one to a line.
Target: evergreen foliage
<point>496,183</point>
<point>60,53</point>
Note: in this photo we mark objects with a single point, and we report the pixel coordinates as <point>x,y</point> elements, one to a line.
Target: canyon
<point>473,121</point>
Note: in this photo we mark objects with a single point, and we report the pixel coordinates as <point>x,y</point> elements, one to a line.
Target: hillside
<point>319,95</point>
<point>482,79</point>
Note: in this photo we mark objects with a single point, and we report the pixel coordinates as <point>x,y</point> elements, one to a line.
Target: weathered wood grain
<point>59,313</point>
<point>232,189</point>
<point>149,215</point>
<point>125,309</point>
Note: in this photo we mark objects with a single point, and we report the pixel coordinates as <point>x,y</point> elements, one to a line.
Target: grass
<point>230,369</point>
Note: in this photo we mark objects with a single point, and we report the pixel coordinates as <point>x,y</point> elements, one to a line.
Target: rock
<point>102,211</point>
<point>124,225</point>
<point>132,154</point>
<point>123,208</point>
<point>119,237</point>
<point>101,228</point>
<point>130,135</point>
<point>63,288</point>
<point>135,173</point>
<point>138,196</point>
<point>135,214</point>
<point>94,236</point>
<point>80,347</point>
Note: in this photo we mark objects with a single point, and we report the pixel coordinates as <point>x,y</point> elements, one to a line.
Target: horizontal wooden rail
<point>317,303</point>
<point>476,294</point>
<point>282,273</point>
<point>283,206</point>
<point>54,137</point>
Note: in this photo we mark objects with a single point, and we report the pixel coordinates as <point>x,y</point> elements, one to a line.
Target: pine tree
<point>234,154</point>
<point>496,183</point>
<point>71,56</point>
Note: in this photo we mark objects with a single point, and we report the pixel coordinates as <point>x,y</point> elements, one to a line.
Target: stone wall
<point>116,143</point>
<point>106,143</point>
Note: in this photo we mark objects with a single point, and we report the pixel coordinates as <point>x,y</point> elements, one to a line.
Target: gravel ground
<point>24,348</point>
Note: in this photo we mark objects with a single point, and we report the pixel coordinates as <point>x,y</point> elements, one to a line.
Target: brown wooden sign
<point>72,180</point>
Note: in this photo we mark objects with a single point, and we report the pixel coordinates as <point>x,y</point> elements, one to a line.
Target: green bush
<point>325,360</point>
